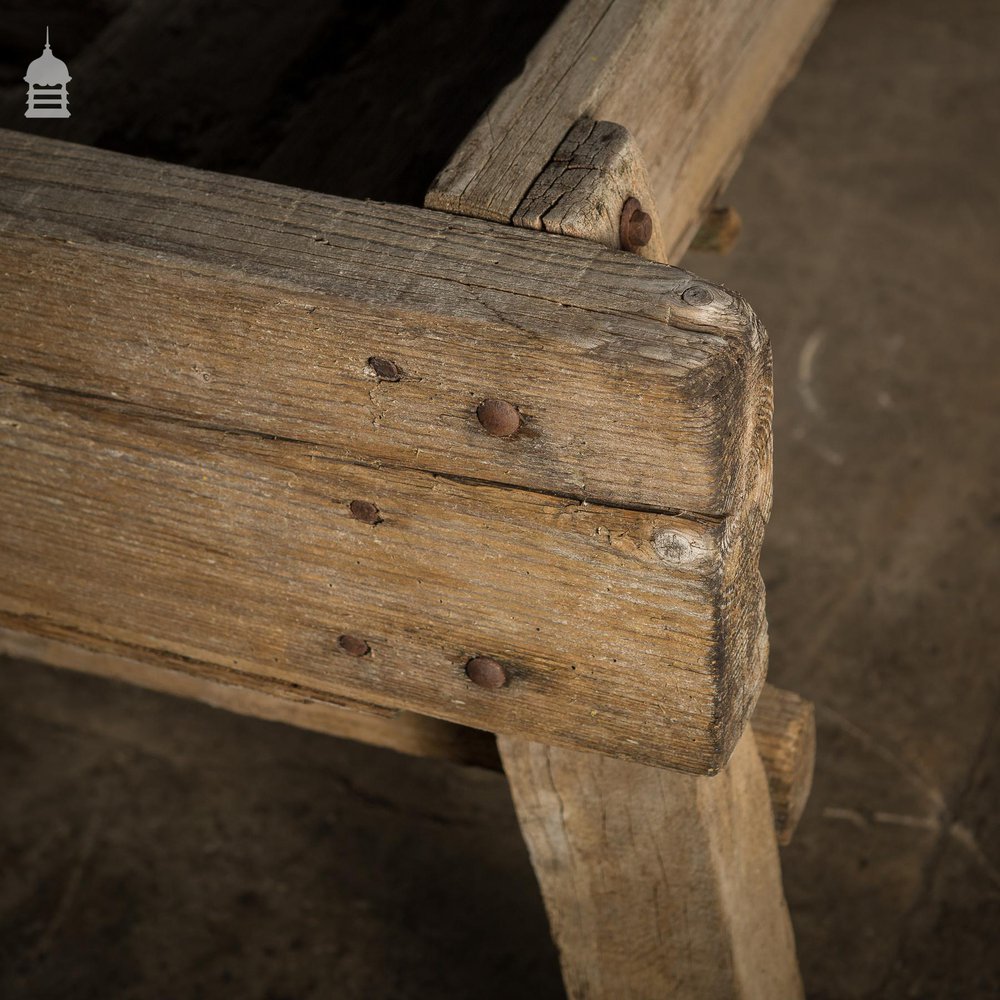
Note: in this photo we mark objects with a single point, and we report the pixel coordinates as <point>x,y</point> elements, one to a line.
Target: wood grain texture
<point>786,748</point>
<point>656,884</point>
<point>190,409</point>
<point>631,391</point>
<point>785,727</point>
<point>405,732</point>
<point>689,80</point>
<point>581,192</point>
<point>236,555</point>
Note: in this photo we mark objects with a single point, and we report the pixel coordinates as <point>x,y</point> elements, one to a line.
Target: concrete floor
<point>152,848</point>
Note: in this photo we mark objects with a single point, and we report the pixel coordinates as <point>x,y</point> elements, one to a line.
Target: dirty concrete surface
<point>153,848</point>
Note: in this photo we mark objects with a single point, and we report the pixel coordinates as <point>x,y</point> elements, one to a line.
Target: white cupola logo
<point>47,78</point>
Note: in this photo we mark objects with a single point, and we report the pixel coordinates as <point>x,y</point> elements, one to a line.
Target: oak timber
<point>676,377</point>
<point>785,727</point>
<point>405,732</point>
<point>191,408</point>
<point>689,80</point>
<point>657,884</point>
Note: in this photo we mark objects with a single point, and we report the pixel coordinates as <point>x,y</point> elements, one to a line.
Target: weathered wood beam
<point>656,884</point>
<point>199,377</point>
<point>406,732</point>
<point>690,81</point>
<point>780,735</point>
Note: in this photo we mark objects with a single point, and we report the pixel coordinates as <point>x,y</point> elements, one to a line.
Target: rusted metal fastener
<point>354,646</point>
<point>697,295</point>
<point>387,371</point>
<point>486,672</point>
<point>365,510</point>
<point>498,417</point>
<point>635,228</point>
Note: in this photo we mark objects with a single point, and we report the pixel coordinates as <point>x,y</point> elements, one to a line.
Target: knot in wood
<point>697,295</point>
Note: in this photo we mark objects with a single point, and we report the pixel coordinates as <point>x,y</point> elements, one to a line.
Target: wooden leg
<point>657,884</point>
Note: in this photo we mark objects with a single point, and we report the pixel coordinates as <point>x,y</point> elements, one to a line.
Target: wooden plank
<point>689,80</point>
<point>786,748</point>
<point>405,732</point>
<point>675,372</point>
<point>656,883</point>
<point>233,555</point>
<point>785,727</point>
<point>191,407</point>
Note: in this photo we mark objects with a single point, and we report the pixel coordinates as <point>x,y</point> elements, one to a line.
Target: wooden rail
<point>691,82</point>
<point>193,394</point>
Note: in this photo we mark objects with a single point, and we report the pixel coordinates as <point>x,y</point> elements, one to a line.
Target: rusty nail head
<point>696,295</point>
<point>354,646</point>
<point>498,417</point>
<point>387,371</point>
<point>486,672</point>
<point>365,510</point>
<point>635,229</point>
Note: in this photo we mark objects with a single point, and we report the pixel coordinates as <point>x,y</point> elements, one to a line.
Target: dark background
<point>153,848</point>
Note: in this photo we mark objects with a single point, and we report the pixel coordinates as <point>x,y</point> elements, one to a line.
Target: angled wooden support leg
<point>657,884</point>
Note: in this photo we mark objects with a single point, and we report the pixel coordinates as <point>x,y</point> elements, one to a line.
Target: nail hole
<point>354,646</point>
<point>365,510</point>
<point>386,371</point>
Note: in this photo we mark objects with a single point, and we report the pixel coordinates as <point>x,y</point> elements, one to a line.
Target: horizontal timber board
<point>191,406</point>
<point>690,80</point>
<point>786,755</point>
<point>258,307</point>
<point>405,732</point>
<point>237,557</point>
